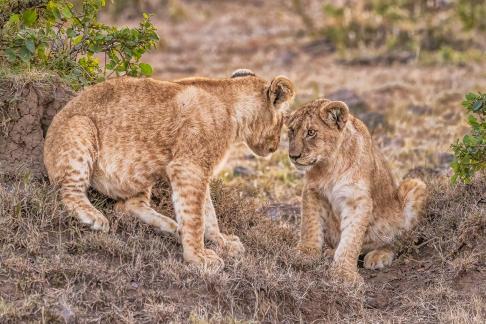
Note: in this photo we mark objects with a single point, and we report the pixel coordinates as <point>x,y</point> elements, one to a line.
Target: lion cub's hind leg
<point>69,158</point>
<point>378,259</point>
<point>139,206</point>
<point>412,194</point>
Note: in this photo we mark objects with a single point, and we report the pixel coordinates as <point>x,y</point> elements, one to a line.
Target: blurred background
<point>402,66</point>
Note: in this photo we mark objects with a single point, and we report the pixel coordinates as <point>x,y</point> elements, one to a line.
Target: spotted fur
<point>123,135</point>
<point>350,200</point>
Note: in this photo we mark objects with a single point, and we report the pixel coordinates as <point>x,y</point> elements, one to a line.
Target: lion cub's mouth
<point>304,167</point>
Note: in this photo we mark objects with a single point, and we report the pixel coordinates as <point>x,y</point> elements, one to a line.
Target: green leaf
<point>11,55</point>
<point>77,39</point>
<point>470,96</point>
<point>472,121</point>
<point>469,140</point>
<point>66,12</point>
<point>146,69</point>
<point>41,52</point>
<point>14,19</point>
<point>25,55</point>
<point>30,45</point>
<point>29,17</point>
<point>477,105</point>
<point>70,32</point>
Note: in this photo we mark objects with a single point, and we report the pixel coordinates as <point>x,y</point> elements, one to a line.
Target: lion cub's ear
<point>335,113</point>
<point>281,92</point>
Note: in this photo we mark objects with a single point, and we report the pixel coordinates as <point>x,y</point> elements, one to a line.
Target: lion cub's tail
<point>412,194</point>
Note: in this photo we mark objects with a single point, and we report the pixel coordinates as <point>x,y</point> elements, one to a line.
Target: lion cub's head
<point>262,114</point>
<point>315,131</point>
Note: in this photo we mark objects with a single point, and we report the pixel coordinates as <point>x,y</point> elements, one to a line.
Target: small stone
<point>286,58</point>
<point>278,211</point>
<point>241,171</point>
<point>422,172</point>
<point>445,159</point>
<point>419,109</point>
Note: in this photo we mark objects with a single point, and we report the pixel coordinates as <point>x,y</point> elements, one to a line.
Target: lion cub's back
<point>129,115</point>
<point>121,98</point>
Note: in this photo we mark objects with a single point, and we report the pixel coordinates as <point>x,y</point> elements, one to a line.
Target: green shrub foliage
<point>470,153</point>
<point>69,39</point>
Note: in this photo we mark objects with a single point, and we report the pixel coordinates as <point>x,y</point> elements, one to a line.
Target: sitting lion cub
<point>350,199</point>
<point>121,136</point>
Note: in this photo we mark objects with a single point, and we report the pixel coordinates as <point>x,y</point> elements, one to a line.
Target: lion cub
<point>350,199</point>
<point>121,136</point>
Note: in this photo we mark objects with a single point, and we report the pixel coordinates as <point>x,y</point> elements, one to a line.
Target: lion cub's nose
<point>294,157</point>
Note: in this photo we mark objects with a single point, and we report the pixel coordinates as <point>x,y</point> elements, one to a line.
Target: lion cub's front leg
<point>311,231</point>
<point>231,243</point>
<point>355,217</point>
<point>189,187</point>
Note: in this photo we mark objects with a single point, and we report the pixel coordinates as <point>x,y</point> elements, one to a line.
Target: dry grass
<point>52,269</point>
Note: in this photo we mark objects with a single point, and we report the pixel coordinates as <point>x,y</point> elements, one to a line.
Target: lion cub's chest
<point>336,197</point>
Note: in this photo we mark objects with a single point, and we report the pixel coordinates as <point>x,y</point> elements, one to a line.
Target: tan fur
<point>350,200</point>
<point>123,135</point>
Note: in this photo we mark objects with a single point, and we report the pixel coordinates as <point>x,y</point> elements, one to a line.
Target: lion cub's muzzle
<point>300,163</point>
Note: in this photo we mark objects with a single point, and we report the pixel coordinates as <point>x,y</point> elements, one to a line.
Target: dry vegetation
<point>54,270</point>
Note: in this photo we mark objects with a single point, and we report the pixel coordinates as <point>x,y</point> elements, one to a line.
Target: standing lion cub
<point>121,136</point>
<point>350,199</point>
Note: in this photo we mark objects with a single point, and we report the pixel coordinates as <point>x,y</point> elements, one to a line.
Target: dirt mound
<point>27,106</point>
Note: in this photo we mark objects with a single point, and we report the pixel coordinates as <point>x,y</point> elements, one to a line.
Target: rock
<point>373,120</point>
<point>445,159</point>
<point>276,211</point>
<point>357,105</point>
<point>403,57</point>
<point>422,172</point>
<point>26,110</point>
<point>249,157</point>
<point>394,142</point>
<point>241,171</point>
<point>319,47</point>
<point>285,58</point>
<point>419,109</point>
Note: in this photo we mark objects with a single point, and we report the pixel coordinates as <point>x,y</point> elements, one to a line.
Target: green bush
<point>69,39</point>
<point>470,153</point>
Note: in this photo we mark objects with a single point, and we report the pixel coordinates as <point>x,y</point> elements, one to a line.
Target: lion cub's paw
<point>205,258</point>
<point>119,207</point>
<point>309,251</point>
<point>96,221</point>
<point>378,259</point>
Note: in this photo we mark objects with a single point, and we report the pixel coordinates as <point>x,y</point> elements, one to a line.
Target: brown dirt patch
<point>27,105</point>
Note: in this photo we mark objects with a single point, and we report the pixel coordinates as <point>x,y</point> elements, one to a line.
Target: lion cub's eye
<point>311,133</point>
